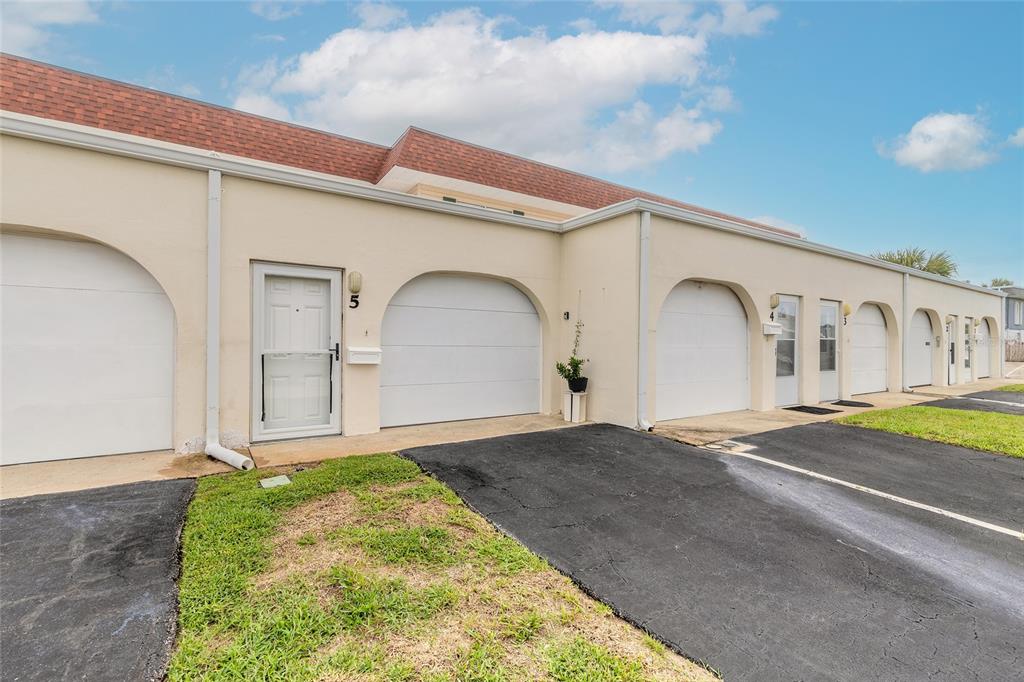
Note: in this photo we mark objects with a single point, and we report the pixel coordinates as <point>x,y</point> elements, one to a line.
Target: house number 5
<point>353,301</point>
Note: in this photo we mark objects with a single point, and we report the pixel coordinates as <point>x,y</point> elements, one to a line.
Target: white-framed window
<point>1018,312</point>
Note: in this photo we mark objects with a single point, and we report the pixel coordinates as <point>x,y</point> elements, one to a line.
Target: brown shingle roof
<point>37,89</point>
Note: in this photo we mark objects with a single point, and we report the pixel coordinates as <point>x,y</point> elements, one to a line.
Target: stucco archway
<point>703,349</point>
<point>460,346</point>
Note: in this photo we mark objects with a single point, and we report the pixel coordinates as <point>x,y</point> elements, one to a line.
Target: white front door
<point>919,352</point>
<point>951,352</point>
<point>296,342</point>
<point>786,356</point>
<point>968,347</point>
<point>828,351</point>
<point>982,356</point>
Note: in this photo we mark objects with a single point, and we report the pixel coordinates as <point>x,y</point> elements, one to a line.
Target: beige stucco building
<point>435,285</point>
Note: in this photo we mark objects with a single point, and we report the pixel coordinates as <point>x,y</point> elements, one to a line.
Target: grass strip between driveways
<point>364,568</point>
<point>1012,388</point>
<point>988,431</point>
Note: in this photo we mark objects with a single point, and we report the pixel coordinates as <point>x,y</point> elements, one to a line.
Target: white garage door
<point>869,351</point>
<point>701,352</point>
<point>982,350</point>
<point>88,352</point>
<point>458,347</point>
<point>921,351</point>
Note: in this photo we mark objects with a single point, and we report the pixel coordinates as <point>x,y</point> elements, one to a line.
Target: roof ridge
<point>527,159</point>
<point>193,100</point>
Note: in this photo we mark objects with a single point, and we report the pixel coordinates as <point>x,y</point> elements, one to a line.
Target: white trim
<point>84,137</point>
<point>146,149</point>
<point>905,335</point>
<point>643,321</point>
<point>260,270</point>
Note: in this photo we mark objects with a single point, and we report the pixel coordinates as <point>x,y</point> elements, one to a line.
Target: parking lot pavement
<point>87,582</point>
<point>760,572</point>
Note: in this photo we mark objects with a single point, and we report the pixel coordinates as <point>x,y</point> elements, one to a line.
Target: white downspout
<point>905,334</point>
<point>213,447</point>
<point>642,322</point>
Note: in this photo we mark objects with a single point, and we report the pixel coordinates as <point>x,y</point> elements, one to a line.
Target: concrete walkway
<point>20,480</point>
<point>726,426</point>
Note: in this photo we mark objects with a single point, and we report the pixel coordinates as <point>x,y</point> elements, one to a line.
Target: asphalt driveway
<point>760,572</point>
<point>87,582</point>
<point>1005,402</point>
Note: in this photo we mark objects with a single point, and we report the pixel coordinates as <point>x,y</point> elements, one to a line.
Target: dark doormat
<point>809,409</point>
<point>852,403</point>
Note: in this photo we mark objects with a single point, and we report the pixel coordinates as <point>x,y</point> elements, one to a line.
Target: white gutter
<point>85,137</point>
<point>693,217</point>
<point>644,261</point>
<point>213,447</point>
<point>905,336</point>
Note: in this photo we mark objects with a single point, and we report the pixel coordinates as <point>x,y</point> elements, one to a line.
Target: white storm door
<point>828,351</point>
<point>919,357</point>
<point>296,345</point>
<point>786,356</point>
<point>968,347</point>
<point>951,352</point>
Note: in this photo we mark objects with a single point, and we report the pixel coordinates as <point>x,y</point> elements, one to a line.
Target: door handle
<point>336,350</point>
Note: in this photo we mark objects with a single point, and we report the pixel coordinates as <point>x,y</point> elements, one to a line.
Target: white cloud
<point>379,14</point>
<point>584,25</point>
<point>272,10</point>
<point>574,99</point>
<point>25,28</point>
<point>262,105</point>
<point>733,18</point>
<point>719,98</point>
<point>738,20</point>
<point>781,224</point>
<point>1017,138</point>
<point>942,142</point>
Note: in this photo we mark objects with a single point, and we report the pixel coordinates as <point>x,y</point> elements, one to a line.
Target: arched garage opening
<point>88,351</point>
<point>922,347</point>
<point>702,352</point>
<point>869,349</point>
<point>459,346</point>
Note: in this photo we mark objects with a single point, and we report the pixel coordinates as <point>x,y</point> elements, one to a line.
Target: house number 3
<point>353,301</point>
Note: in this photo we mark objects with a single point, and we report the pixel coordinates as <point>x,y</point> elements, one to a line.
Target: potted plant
<point>571,370</point>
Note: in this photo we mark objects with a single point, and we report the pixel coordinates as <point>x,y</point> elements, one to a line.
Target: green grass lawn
<point>366,569</point>
<point>988,431</point>
<point>1012,388</point>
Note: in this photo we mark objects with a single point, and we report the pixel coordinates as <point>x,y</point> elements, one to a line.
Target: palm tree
<point>936,262</point>
<point>1000,282</point>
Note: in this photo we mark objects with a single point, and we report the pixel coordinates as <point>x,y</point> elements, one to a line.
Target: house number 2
<point>353,301</point>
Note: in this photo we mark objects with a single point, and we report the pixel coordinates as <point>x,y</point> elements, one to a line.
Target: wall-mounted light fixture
<point>847,309</point>
<point>773,301</point>
<point>977,323</point>
<point>949,319</point>
<point>355,282</point>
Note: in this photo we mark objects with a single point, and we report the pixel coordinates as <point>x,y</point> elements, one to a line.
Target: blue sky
<point>867,125</point>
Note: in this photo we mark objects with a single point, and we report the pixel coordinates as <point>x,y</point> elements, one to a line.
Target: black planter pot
<point>578,385</point>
